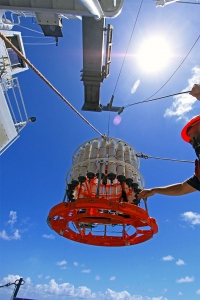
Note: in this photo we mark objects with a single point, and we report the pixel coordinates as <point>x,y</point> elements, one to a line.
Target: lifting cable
<point>48,82</point>
<point>112,97</point>
<point>141,155</point>
<point>128,46</point>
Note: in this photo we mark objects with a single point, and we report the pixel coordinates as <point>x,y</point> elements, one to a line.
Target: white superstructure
<point>13,115</point>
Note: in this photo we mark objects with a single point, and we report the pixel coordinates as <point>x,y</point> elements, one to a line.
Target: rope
<point>175,70</point>
<point>141,155</point>
<point>36,37</point>
<point>187,2</point>
<point>128,46</point>
<point>29,29</point>
<point>155,99</point>
<point>7,284</point>
<point>39,44</point>
<point>48,82</point>
<point>13,283</point>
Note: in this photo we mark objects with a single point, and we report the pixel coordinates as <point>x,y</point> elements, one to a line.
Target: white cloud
<point>40,276</point>
<point>13,218</point>
<point>191,217</point>
<point>67,291</point>
<point>112,278</point>
<point>85,271</point>
<point>10,279</point>
<point>198,292</point>
<point>47,277</point>
<point>167,258</point>
<point>180,262</point>
<point>135,86</point>
<point>180,294</point>
<point>15,233</point>
<point>76,264</point>
<point>61,263</point>
<point>48,236</point>
<point>184,103</point>
<point>97,277</point>
<point>186,279</point>
<point>5,236</point>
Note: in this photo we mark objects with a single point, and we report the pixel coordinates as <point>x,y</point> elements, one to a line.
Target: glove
<point>195,92</point>
<point>197,169</point>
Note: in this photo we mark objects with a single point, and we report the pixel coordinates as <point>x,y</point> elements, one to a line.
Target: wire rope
<point>39,44</point>
<point>128,46</point>
<point>36,37</point>
<point>29,29</point>
<point>141,155</point>
<point>48,82</point>
<point>187,2</point>
<point>112,98</point>
<point>150,100</point>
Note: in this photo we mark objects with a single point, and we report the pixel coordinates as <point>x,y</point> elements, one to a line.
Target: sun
<point>153,54</point>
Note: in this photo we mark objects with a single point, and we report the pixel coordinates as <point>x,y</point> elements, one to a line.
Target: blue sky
<point>33,169</point>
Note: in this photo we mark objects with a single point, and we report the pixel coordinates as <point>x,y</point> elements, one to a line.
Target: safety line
<point>175,70</point>
<point>141,155</point>
<point>48,82</point>
<point>144,101</point>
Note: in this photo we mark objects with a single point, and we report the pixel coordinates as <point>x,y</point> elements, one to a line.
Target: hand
<point>144,194</point>
<point>195,92</point>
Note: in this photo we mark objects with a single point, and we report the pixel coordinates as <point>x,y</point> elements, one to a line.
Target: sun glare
<point>153,54</point>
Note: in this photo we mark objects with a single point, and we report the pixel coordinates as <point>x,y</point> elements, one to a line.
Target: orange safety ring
<point>73,220</point>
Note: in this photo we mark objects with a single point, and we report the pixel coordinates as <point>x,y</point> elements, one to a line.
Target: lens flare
<point>135,86</point>
<point>117,120</point>
<point>154,54</point>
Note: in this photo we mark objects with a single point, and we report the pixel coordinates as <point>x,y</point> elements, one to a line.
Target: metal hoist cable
<point>112,97</point>
<point>128,45</point>
<point>48,82</point>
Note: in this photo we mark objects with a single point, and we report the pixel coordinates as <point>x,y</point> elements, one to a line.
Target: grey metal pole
<point>17,286</point>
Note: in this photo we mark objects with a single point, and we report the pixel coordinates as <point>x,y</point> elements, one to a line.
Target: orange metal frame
<point>98,211</point>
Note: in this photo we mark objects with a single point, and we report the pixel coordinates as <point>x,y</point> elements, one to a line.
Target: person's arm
<point>177,189</point>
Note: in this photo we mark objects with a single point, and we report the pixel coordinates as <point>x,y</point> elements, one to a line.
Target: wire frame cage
<point>101,205</point>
